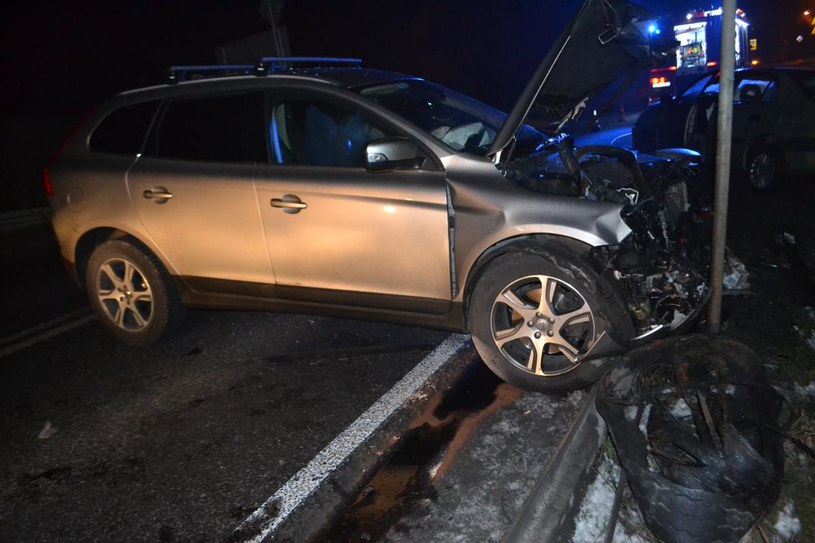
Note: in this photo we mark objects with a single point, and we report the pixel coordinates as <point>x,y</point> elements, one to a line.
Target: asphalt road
<point>178,441</point>
<point>34,287</point>
<point>183,440</point>
<point>211,433</point>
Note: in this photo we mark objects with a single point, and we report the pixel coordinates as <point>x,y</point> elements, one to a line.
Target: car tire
<point>536,342</point>
<point>765,169</point>
<point>132,293</point>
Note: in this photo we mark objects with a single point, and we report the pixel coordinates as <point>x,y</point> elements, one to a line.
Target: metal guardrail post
<point>724,131</point>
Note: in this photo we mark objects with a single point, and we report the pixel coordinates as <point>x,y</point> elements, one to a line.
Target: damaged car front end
<point>662,264</point>
<point>644,272</point>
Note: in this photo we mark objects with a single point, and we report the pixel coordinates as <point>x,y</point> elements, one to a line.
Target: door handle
<point>159,194</point>
<point>289,203</point>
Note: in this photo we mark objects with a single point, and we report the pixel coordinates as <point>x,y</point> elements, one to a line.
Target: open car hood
<point>606,40</point>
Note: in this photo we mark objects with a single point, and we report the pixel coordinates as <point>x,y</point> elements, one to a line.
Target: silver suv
<point>315,185</point>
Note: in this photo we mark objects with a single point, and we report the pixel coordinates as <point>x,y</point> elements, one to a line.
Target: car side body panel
<point>210,227</point>
<point>90,196</point>
<point>490,210</point>
<point>398,246</point>
<point>377,233</point>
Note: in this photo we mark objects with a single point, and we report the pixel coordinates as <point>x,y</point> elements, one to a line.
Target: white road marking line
<point>292,494</point>
<point>51,329</point>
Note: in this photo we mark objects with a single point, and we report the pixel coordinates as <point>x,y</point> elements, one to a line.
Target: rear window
<point>123,130</point>
<point>225,128</point>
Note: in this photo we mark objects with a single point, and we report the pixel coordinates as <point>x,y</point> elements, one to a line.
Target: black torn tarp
<point>692,420</point>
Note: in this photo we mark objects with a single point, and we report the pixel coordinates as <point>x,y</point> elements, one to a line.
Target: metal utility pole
<point>724,133</point>
<point>270,10</point>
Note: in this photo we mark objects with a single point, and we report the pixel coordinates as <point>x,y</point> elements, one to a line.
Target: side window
<point>320,133</point>
<point>755,90</point>
<point>214,129</point>
<point>123,130</point>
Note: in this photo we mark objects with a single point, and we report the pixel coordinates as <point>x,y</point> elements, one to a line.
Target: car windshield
<point>457,120</point>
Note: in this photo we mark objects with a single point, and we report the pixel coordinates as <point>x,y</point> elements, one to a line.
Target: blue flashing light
<point>652,29</point>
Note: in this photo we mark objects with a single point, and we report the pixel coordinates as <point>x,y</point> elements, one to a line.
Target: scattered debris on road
<point>47,431</point>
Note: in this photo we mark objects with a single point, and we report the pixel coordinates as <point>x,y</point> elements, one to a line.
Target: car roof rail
<point>263,66</point>
<point>270,65</point>
<point>182,73</point>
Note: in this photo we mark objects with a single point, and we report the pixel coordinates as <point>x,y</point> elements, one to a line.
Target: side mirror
<point>393,154</point>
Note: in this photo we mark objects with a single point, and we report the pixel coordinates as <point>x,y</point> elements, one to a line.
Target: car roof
<point>346,77</point>
<point>351,77</point>
<point>787,69</point>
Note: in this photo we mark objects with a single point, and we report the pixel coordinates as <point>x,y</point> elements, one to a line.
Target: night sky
<point>61,58</point>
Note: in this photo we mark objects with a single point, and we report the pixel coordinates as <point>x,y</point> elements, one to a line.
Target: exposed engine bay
<point>662,267</point>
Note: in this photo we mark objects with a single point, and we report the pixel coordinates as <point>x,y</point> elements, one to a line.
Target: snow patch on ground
<point>575,398</point>
<point>802,392</point>
<point>681,409</point>
<point>592,519</point>
<point>787,526</point>
<point>508,427</point>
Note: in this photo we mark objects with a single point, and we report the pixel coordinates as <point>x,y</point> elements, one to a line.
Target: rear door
<point>193,189</point>
<point>338,233</point>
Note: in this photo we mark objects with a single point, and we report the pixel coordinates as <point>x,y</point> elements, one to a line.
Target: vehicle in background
<point>773,123</point>
<point>698,37</point>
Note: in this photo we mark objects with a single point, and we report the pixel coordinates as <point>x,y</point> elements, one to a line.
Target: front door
<point>338,233</point>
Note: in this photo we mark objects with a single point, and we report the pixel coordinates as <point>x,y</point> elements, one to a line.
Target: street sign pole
<point>724,132</point>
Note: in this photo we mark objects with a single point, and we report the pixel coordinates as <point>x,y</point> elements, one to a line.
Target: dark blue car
<point>773,123</point>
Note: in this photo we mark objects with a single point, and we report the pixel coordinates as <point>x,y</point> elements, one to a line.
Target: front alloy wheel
<point>536,312</point>
<point>538,319</point>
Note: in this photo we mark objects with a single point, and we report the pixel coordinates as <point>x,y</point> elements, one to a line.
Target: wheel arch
<point>569,262</point>
<point>531,243</point>
<point>92,239</point>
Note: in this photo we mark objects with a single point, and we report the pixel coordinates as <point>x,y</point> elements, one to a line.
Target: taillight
<point>46,177</point>
<point>46,182</point>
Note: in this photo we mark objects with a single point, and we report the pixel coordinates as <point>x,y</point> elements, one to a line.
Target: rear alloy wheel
<point>535,316</point>
<point>764,169</point>
<point>132,293</point>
